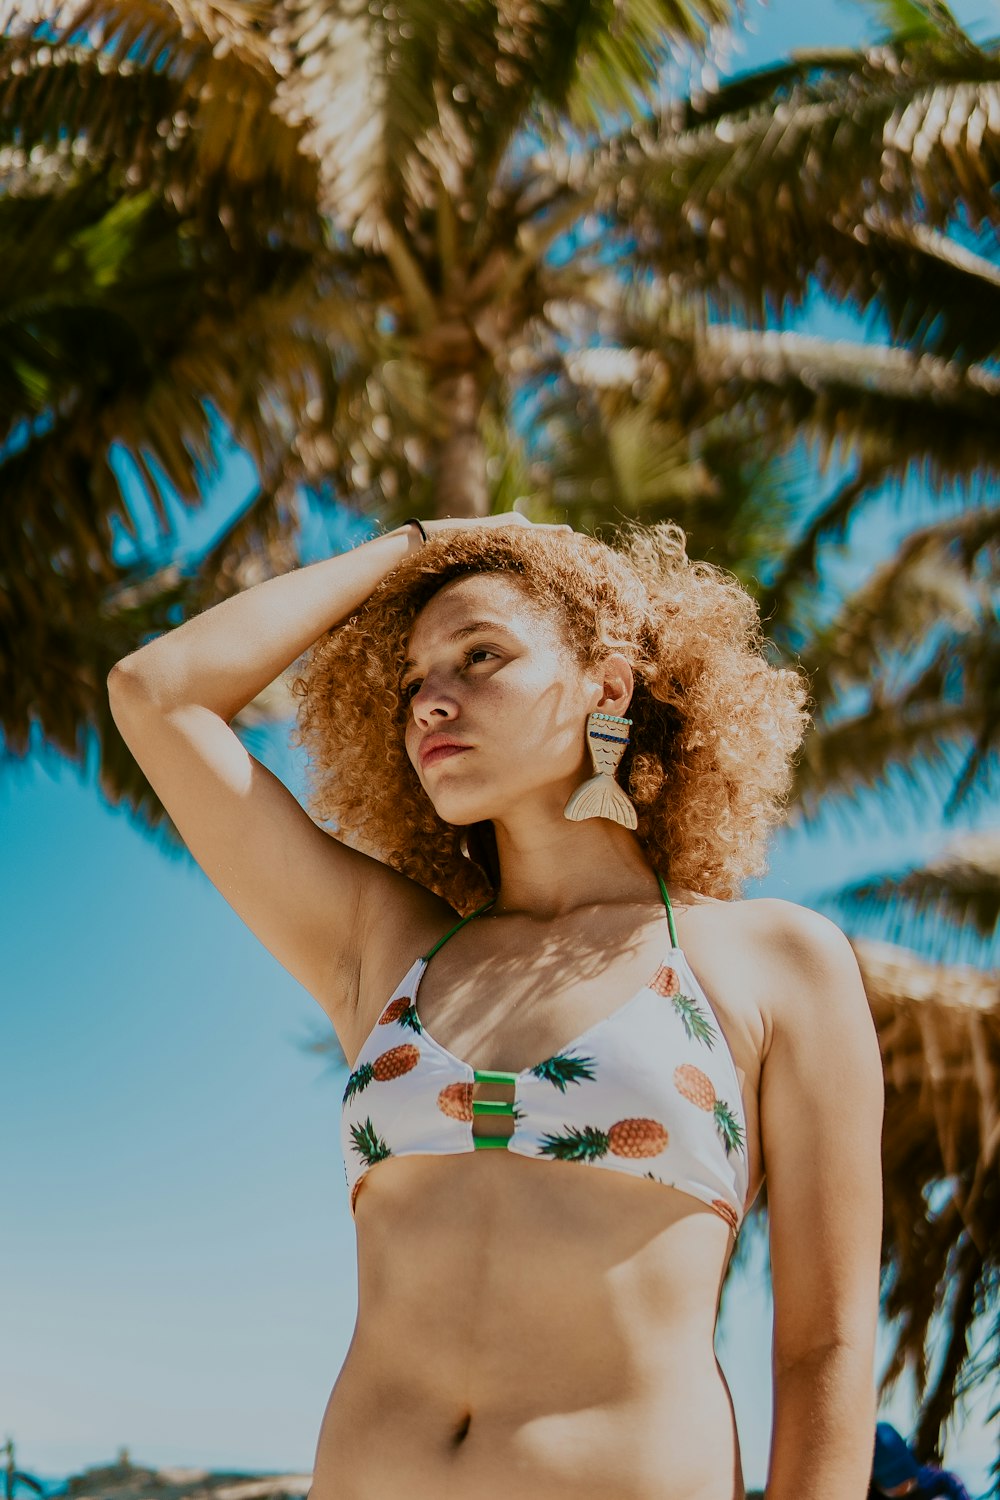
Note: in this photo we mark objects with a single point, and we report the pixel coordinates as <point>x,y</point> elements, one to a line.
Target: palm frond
<point>75,616</point>
<point>177,97</point>
<point>933,580</point>
<point>619,53</point>
<point>887,407</point>
<point>756,203</point>
<point>899,750</point>
<point>911,20</point>
<point>926,717</point>
<point>433,91</point>
<point>935,295</point>
<point>961,887</point>
<point>797,569</point>
<point>601,455</point>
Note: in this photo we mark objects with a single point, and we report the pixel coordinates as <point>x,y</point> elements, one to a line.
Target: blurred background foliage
<point>432,257</point>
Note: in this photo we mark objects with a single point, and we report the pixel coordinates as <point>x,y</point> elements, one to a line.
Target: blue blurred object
<point>893,1463</point>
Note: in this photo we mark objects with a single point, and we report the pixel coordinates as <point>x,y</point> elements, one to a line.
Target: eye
<point>411,688</point>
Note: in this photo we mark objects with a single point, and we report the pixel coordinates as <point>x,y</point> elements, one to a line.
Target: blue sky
<point>177,1247</point>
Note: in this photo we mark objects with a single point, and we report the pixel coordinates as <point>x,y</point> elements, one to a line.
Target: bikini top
<point>651,1090</point>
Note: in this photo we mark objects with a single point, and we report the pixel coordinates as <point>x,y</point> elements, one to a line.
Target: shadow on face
<point>490,670</point>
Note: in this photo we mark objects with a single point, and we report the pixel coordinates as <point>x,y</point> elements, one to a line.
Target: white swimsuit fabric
<point>651,1090</point>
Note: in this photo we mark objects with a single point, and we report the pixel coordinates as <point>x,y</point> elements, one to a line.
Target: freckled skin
<point>535,1326</point>
<point>529,684</point>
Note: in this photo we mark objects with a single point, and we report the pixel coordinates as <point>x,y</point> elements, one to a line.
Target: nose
<point>432,704</point>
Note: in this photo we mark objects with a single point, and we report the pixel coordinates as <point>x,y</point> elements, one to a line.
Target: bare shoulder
<point>783,930</point>
<point>812,976</point>
<point>801,959</point>
<point>795,934</point>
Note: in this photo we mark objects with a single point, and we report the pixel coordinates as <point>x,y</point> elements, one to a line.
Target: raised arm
<point>304,894</point>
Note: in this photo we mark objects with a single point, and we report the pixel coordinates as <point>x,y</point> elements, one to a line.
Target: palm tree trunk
<point>460,485</point>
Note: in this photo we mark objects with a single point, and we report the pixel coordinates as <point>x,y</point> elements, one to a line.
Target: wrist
<point>406,532</point>
<point>418,527</point>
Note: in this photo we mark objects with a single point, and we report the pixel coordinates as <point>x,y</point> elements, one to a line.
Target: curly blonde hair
<point>715,726</point>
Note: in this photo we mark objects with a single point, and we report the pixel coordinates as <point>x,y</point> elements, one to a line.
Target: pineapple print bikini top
<point>651,1090</point>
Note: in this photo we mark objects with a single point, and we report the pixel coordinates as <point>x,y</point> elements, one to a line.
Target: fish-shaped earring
<point>601,796</point>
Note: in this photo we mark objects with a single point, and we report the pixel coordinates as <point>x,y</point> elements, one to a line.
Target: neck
<point>550,866</point>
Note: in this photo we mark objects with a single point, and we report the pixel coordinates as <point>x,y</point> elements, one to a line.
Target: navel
<point>461,1430</point>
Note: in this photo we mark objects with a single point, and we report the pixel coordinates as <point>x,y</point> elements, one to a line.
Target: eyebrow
<point>464,631</point>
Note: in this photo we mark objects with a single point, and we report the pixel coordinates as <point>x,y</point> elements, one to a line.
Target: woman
<point>536,1315</point>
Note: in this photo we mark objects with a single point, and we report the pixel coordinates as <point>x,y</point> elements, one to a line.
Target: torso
<point>525,1325</point>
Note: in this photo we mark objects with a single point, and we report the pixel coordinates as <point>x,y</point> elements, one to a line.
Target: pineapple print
<point>697,1086</point>
<point>697,1025</point>
<point>720,1205</point>
<point>727,1212</point>
<point>632,1138</point>
<point>722,1208</point>
<point>665,982</point>
<point>455,1101</point>
<point>369,1144</point>
<point>564,1068</point>
<point>391,1064</point>
<point>404,1011</point>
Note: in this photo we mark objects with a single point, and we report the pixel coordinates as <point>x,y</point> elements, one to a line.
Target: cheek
<point>410,739</point>
<point>534,716</point>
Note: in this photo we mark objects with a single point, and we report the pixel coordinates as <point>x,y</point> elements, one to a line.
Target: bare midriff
<point>531,1329</point>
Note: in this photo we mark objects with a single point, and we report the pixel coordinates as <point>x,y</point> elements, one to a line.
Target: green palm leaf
<point>938,576</point>
<point>821,171</point>
<point>962,887</point>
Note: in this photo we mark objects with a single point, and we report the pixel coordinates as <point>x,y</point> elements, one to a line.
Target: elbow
<point>127,682</point>
<point>841,1375</point>
<point>140,683</point>
<point>821,1355</point>
<point>122,675</point>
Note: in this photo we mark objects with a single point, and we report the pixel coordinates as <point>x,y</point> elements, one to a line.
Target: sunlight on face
<point>490,671</point>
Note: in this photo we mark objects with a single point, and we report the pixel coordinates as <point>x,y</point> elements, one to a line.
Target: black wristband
<point>412,521</point>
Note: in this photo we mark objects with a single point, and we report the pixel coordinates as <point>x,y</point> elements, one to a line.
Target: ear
<point>617,683</point>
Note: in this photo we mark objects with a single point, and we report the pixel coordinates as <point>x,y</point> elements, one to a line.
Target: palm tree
<point>347,241</point>
<point>428,258</point>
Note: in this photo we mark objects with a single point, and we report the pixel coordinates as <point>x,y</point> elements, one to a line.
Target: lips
<point>433,751</point>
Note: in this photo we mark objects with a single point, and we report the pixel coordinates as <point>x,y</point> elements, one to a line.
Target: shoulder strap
<point>670,914</point>
<point>457,928</point>
<point>486,904</point>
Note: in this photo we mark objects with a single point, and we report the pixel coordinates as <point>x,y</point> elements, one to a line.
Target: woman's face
<point>497,702</point>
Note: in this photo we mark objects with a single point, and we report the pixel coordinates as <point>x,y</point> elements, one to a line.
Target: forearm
<point>823,1430</point>
<point>223,657</point>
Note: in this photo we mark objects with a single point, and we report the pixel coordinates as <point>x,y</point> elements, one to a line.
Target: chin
<point>463,805</point>
<point>462,812</point>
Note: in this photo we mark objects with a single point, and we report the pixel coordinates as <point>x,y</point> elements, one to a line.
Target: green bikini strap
<point>457,927</point>
<point>670,913</point>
